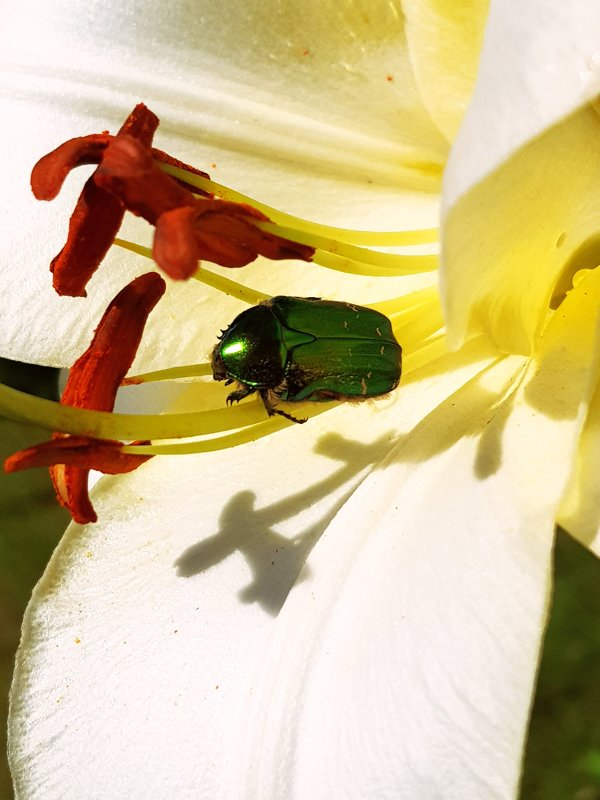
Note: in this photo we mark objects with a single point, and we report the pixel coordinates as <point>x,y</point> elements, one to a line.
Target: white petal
<point>520,211</point>
<point>445,40</point>
<point>147,632</point>
<point>540,62</point>
<point>238,95</point>
<point>405,666</point>
<point>580,510</point>
<point>233,68</point>
<point>153,659</point>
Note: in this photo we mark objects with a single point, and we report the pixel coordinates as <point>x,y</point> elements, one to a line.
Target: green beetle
<point>304,348</point>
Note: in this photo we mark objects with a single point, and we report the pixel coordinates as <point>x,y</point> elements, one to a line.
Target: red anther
<point>175,249</point>
<point>70,459</point>
<point>71,486</point>
<point>93,383</point>
<point>49,173</point>
<point>165,158</point>
<point>105,455</point>
<point>92,229</point>
<point>98,214</point>
<point>97,374</point>
<point>141,124</point>
<point>129,171</point>
<point>217,231</point>
<point>129,178</point>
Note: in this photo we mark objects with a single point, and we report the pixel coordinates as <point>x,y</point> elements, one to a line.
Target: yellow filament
<point>232,288</point>
<point>413,329</point>
<point>415,317</point>
<point>172,373</point>
<point>385,263</point>
<point>22,407</point>
<point>339,257</point>
<point>407,303</point>
<point>53,416</point>
<point>364,238</point>
<point>416,320</point>
<point>435,348</point>
<point>432,350</point>
<point>249,434</point>
<point>353,267</point>
<point>257,431</point>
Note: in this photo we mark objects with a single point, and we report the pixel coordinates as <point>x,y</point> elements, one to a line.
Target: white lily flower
<point>352,608</point>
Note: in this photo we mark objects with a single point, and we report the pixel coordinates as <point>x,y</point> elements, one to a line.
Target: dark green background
<point>31,525</point>
<point>563,752</point>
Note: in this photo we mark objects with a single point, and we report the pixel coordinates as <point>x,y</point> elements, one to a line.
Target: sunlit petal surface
<point>383,698</point>
<point>521,199</point>
<point>412,629</point>
<point>291,104</point>
<point>159,617</point>
<point>444,41</point>
<point>356,611</point>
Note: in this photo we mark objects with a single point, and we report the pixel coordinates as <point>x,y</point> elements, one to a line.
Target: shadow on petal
<point>277,561</point>
<point>480,409</point>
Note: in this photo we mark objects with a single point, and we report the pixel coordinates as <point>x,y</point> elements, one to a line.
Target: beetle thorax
<point>251,351</point>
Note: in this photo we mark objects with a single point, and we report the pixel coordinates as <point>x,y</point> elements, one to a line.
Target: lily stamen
<point>92,384</point>
<point>231,288</point>
<point>399,238</point>
<point>22,407</point>
<point>335,248</point>
<point>129,178</point>
<point>192,226</point>
<point>170,374</point>
<point>350,258</point>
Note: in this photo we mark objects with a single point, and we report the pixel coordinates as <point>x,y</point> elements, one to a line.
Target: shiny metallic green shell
<point>295,348</point>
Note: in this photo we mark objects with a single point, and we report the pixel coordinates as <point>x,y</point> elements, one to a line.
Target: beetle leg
<point>243,391</point>
<point>287,416</point>
<point>264,393</point>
